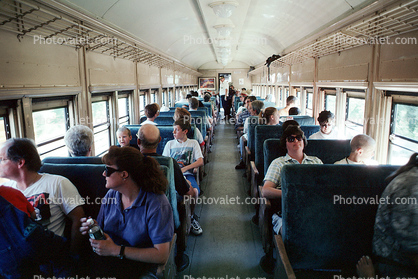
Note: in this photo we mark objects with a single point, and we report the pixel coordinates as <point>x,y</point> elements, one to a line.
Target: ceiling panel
<point>184,29</point>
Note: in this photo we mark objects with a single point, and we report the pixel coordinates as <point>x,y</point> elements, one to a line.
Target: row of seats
<point>323,233</point>
<point>86,173</point>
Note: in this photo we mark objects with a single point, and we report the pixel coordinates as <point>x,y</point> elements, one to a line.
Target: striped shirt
<point>273,172</point>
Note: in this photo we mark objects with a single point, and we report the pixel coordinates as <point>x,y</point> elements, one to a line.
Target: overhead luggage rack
<point>47,26</point>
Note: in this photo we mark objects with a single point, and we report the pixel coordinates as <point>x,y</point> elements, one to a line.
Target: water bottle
<point>95,231</point>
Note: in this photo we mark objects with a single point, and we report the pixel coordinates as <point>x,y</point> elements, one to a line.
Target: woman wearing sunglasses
<point>136,217</point>
<point>293,141</point>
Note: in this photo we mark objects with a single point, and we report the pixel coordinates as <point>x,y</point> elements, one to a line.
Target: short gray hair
<point>79,139</point>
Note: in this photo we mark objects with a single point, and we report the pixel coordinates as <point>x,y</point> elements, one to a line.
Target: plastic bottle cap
<point>90,221</point>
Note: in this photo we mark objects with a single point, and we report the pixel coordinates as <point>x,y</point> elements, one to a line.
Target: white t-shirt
<point>198,136</point>
<point>333,135</point>
<point>185,153</point>
<point>347,161</point>
<point>148,122</point>
<point>224,86</point>
<point>53,197</point>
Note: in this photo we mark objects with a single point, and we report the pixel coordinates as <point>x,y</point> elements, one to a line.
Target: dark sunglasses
<point>109,171</point>
<point>292,138</point>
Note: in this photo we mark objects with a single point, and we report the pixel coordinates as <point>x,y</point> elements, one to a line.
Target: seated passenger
<point>290,103</point>
<point>54,197</point>
<point>255,108</point>
<point>184,113</point>
<point>78,140</point>
<point>326,121</point>
<point>269,116</point>
<point>185,151</point>
<point>137,218</point>
<point>362,151</point>
<point>26,246</point>
<point>148,140</point>
<point>124,137</point>
<point>395,240</point>
<point>293,141</point>
<point>206,98</point>
<point>245,113</point>
<point>193,105</point>
<point>151,112</point>
<point>294,111</point>
<point>164,108</point>
<point>16,198</point>
<point>242,108</point>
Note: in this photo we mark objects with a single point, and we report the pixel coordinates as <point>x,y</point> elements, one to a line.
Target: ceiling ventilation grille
<point>46,26</point>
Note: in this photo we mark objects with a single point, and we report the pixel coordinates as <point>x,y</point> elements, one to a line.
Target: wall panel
<point>32,64</point>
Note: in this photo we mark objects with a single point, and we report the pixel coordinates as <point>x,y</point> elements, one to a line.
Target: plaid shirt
<point>273,172</point>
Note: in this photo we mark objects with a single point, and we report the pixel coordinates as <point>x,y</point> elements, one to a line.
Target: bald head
<point>148,138</point>
<point>362,147</point>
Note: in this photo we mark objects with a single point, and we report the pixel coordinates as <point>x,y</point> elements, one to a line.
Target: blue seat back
<point>201,113</point>
<point>181,104</point>
<point>208,105</point>
<point>303,120</point>
<point>236,102</point>
<point>262,133</point>
<point>166,164</point>
<point>319,231</point>
<point>253,122</point>
<point>87,178</point>
<point>73,160</point>
<point>164,114</point>
<point>329,151</point>
<point>162,120</point>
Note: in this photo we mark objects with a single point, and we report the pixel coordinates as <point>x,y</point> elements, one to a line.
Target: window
<point>153,96</point>
<point>4,129</point>
<point>142,101</point>
<point>178,94</point>
<point>354,116</point>
<point>330,102</point>
<point>164,97</point>
<point>101,127</point>
<point>170,97</point>
<point>123,107</point>
<point>50,126</point>
<point>403,140</point>
<point>309,103</point>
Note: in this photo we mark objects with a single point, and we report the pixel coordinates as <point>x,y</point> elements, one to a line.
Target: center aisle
<point>230,245</point>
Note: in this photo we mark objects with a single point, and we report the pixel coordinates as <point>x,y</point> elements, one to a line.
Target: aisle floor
<point>230,245</point>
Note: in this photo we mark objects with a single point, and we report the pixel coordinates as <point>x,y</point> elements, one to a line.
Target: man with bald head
<point>148,139</point>
<point>362,151</point>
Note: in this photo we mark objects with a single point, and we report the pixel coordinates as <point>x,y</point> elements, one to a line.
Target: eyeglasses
<point>3,159</point>
<point>292,138</point>
<point>109,171</point>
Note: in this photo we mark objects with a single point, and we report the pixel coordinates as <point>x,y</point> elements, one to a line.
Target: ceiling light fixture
<point>223,9</point>
<point>224,30</point>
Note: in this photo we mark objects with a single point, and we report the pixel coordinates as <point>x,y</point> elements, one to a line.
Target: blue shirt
<point>148,221</point>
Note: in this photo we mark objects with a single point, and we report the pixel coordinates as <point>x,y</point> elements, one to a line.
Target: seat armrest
<point>264,222</point>
<point>283,267</point>
<point>168,269</point>
<point>254,178</point>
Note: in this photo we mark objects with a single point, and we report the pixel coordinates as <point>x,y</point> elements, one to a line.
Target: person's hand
<point>105,247</point>
<point>85,226</point>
